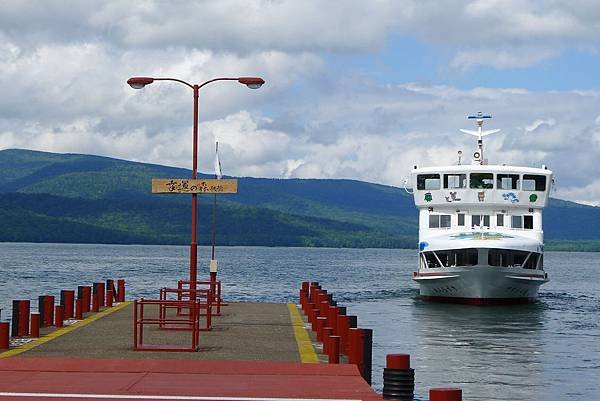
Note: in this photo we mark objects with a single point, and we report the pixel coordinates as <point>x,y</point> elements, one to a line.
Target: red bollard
<point>313,287</point>
<point>43,310</point>
<point>101,294</point>
<point>110,285</point>
<point>303,300</point>
<point>98,291</point>
<point>332,318</point>
<point>109,299</point>
<point>95,303</point>
<point>360,351</point>
<point>84,293</point>
<point>327,331</point>
<point>67,300</point>
<point>324,308</point>
<point>397,361</point>
<point>310,316</point>
<point>24,308</point>
<point>445,394</point>
<point>343,325</point>
<point>354,348</point>
<point>334,349</point>
<point>319,326</point>
<point>49,310</point>
<point>59,315</point>
<point>313,321</point>
<point>4,335</point>
<point>35,325</point>
<point>352,323</point>
<point>121,290</point>
<point>79,309</point>
<point>312,294</point>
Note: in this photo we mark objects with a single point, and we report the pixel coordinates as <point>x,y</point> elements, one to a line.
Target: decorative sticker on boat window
<point>428,197</point>
<point>483,236</point>
<point>481,196</point>
<point>452,197</point>
<point>533,197</point>
<point>511,197</point>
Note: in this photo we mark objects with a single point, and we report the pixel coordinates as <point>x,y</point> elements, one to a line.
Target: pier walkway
<point>254,351</point>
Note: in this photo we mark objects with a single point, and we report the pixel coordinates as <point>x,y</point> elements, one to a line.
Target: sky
<point>354,89</point>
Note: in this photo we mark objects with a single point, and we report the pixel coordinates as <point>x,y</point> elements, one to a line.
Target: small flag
<point>218,172</point>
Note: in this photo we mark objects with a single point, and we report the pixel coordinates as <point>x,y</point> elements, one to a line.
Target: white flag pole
<point>218,173</point>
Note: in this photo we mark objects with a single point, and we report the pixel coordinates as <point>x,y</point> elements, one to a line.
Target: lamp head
<point>252,82</point>
<point>139,82</point>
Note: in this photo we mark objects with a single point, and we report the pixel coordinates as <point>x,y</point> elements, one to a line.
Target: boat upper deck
<point>481,186</point>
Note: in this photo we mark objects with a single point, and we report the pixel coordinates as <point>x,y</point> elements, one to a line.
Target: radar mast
<point>480,133</point>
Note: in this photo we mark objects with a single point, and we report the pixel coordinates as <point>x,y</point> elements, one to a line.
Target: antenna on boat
<point>478,155</point>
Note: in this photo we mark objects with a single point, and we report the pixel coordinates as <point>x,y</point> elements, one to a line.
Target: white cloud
<point>502,58</point>
<point>63,85</point>
<point>588,194</point>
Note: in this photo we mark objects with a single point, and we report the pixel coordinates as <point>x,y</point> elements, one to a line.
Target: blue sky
<point>408,59</point>
<point>355,89</point>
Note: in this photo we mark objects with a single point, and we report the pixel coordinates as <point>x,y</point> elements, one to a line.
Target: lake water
<point>549,350</point>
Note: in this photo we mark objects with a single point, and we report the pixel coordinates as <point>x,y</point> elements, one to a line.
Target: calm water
<point>545,351</point>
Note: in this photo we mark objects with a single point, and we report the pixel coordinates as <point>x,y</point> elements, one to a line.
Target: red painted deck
<point>38,379</point>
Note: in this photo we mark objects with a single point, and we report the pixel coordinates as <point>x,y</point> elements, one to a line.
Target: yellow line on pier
<point>67,329</point>
<point>305,347</point>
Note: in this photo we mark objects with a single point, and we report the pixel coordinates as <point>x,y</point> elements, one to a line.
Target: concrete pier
<point>254,351</point>
<point>244,331</point>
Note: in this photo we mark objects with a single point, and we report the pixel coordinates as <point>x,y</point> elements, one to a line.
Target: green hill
<point>47,197</point>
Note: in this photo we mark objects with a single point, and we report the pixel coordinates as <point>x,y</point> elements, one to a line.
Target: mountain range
<point>50,197</point>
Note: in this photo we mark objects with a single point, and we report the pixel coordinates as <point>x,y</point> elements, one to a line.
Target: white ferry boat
<point>480,229</point>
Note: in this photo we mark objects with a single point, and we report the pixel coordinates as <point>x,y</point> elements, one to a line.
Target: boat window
<point>499,257</point>
<point>480,219</point>
<point>439,221</point>
<point>428,181</point>
<point>434,221</point>
<point>532,261</point>
<point>455,181</point>
<point>534,182</point>
<point>517,222</point>
<point>499,220</point>
<point>457,257</point>
<point>481,180</point>
<point>519,258</point>
<point>528,222</point>
<point>431,260</point>
<point>461,219</point>
<point>445,220</point>
<point>507,181</point>
<point>513,258</point>
<point>466,257</point>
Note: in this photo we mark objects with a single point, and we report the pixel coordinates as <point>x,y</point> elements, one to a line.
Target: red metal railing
<point>203,303</point>
<point>191,322</point>
<point>215,289</point>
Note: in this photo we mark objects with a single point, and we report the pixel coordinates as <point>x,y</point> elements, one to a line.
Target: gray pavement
<point>245,331</point>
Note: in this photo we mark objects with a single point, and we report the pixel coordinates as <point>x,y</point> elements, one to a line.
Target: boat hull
<point>480,285</point>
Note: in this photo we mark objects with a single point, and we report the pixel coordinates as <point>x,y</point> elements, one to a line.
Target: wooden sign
<point>189,186</point>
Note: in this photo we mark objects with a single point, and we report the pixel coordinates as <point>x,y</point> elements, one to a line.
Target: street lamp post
<point>139,83</point>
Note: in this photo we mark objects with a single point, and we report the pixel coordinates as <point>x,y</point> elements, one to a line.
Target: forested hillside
<point>46,197</point>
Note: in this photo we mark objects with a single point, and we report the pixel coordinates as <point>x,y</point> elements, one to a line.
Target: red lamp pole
<point>139,83</point>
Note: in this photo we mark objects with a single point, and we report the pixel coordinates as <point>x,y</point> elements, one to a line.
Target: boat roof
<point>483,168</point>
